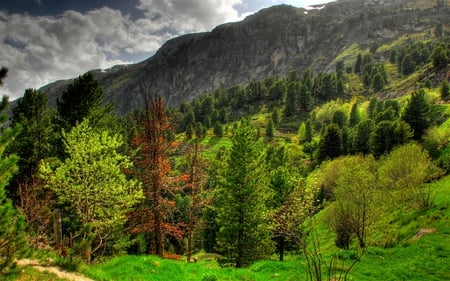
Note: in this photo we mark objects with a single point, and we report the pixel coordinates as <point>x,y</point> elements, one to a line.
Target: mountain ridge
<point>268,43</point>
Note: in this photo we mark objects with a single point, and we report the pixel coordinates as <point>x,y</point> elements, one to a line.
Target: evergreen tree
<point>12,239</point>
<point>408,65</point>
<point>242,216</point>
<point>276,117</point>
<point>417,113</point>
<point>291,99</point>
<point>439,57</point>
<point>340,118</point>
<point>361,142</point>
<point>355,115</point>
<point>358,63</point>
<point>445,90</point>
<point>330,145</point>
<point>277,92</point>
<point>270,128</point>
<point>377,82</point>
<point>34,141</point>
<point>218,129</point>
<point>78,100</point>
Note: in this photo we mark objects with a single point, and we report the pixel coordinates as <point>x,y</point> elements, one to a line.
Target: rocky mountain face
<point>271,42</point>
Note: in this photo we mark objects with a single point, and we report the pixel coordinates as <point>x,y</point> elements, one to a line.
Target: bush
<point>209,276</point>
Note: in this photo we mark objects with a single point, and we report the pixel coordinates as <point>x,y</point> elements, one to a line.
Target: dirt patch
<point>56,270</point>
<point>421,233</point>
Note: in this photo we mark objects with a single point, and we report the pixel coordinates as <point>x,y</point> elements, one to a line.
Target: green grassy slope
<point>421,252</point>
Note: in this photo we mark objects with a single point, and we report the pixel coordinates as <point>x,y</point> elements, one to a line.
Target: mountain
<point>271,42</point>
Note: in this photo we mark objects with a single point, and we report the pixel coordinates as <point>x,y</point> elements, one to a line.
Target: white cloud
<point>39,50</point>
<point>191,15</point>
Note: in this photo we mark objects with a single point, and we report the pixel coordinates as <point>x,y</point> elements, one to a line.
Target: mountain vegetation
<point>331,162</point>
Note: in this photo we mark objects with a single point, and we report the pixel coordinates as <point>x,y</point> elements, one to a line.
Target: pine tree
<point>330,145</point>
<point>417,113</point>
<point>355,115</point>
<point>358,63</point>
<point>270,128</point>
<point>242,216</point>
<point>153,168</point>
<point>12,238</point>
<point>445,90</point>
<point>34,141</point>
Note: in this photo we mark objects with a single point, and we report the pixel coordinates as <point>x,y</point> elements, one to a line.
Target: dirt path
<point>58,271</point>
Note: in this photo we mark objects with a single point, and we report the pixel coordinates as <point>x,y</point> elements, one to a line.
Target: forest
<point>245,174</point>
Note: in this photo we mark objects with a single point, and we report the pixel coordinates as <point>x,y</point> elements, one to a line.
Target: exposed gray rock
<point>270,42</point>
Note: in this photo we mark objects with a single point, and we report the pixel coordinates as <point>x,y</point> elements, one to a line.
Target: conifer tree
<point>270,128</point>
<point>417,113</point>
<point>153,168</point>
<point>78,100</point>
<point>355,115</point>
<point>445,90</point>
<point>330,145</point>
<point>242,214</point>
<point>12,239</point>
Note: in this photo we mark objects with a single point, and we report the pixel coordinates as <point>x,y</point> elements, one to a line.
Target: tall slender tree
<point>78,100</point>
<point>153,170</point>
<point>242,214</point>
<point>12,239</point>
<point>417,113</point>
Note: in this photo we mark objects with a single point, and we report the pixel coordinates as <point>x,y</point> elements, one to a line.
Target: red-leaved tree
<point>153,168</point>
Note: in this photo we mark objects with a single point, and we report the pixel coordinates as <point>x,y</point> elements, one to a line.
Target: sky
<point>42,41</point>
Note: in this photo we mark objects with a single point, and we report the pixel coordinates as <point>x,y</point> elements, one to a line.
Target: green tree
<point>417,113</point>
<point>408,65</point>
<point>361,142</point>
<point>78,100</point>
<point>330,145</point>
<point>404,172</point>
<point>34,142</point>
<point>357,68</point>
<point>276,116</point>
<point>378,82</point>
<point>277,91</point>
<point>340,118</point>
<point>92,183</point>
<point>356,198</point>
<point>242,215</point>
<point>270,129</point>
<point>387,135</point>
<point>445,90</point>
<point>355,115</point>
<point>439,57</point>
<point>218,130</point>
<point>12,238</point>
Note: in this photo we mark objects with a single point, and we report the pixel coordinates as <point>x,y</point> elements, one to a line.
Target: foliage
<point>242,215</point>
<point>153,167</point>
<point>445,90</point>
<point>417,113</point>
<point>330,145</point>
<point>78,100</point>
<point>12,240</point>
<point>355,200</point>
<point>405,170</point>
<point>91,181</point>
<point>33,144</point>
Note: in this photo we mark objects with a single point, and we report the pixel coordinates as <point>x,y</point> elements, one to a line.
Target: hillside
<point>269,43</point>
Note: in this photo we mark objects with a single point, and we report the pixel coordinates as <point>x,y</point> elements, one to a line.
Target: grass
<point>30,274</point>
<point>409,257</point>
<point>138,268</point>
